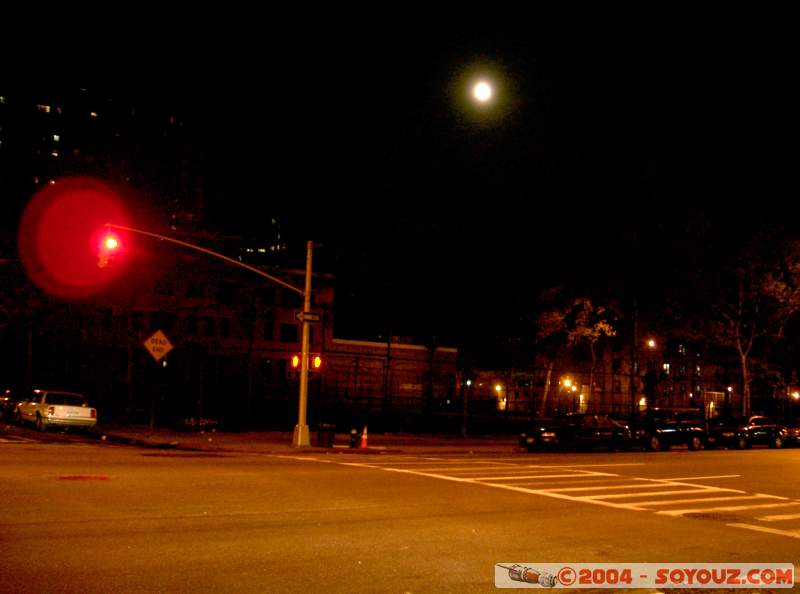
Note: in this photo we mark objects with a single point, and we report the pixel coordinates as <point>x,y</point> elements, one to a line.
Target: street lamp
<point>300,437</point>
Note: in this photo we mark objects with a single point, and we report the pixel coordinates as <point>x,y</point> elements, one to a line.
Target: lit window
<point>262,250</point>
<point>92,114</point>
<point>3,100</point>
<point>56,138</point>
<point>43,108</point>
<point>666,367</point>
<point>54,153</point>
<point>52,182</point>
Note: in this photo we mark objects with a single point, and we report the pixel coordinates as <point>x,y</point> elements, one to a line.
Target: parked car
<point>661,428</point>
<point>792,435</point>
<point>577,431</point>
<point>46,408</point>
<point>746,432</point>
<point>9,399</point>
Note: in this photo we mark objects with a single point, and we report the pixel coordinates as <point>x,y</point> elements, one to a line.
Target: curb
<point>272,448</point>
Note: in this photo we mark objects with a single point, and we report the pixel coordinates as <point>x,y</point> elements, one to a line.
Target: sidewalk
<point>274,442</point>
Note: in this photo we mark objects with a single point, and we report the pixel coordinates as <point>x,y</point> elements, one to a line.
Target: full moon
<point>482,91</point>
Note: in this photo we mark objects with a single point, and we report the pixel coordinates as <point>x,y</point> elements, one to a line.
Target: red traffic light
<point>63,238</point>
<point>109,246</point>
<point>111,242</point>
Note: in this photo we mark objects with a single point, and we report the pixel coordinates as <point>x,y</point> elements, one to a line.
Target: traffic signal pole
<point>300,438</point>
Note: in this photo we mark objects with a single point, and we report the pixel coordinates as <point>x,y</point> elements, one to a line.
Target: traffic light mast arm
<point>210,253</point>
<point>300,437</point>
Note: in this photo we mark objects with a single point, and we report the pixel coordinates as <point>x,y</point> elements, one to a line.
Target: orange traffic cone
<point>363,444</point>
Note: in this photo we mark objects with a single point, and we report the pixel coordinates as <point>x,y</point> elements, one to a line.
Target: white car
<point>46,408</point>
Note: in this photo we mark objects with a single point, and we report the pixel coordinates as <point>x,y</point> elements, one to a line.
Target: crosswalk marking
<point>534,476</point>
<point>649,493</point>
<point>649,485</point>
<point>699,478</point>
<point>595,484</point>
<point>789,533</point>
<point>705,499</point>
<point>780,518</point>
<point>681,512</point>
<point>420,462</point>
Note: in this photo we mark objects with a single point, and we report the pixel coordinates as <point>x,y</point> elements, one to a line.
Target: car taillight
<point>94,414</point>
<point>51,410</point>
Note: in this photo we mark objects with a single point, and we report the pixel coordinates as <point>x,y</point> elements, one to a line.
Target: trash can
<point>325,435</point>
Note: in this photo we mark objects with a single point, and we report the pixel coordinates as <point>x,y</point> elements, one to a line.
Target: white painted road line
<point>649,493</point>
<point>780,518</point>
<point>704,499</point>
<point>538,476</point>
<point>697,478</point>
<point>680,512</point>
<point>649,485</point>
<point>443,461</point>
<point>464,469</point>
<point>610,480</point>
<point>585,465</point>
<point>789,533</point>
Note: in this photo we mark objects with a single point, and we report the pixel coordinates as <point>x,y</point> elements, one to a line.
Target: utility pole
<point>634,371</point>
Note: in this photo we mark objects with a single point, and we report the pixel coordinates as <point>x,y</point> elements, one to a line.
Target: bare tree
<point>755,298</point>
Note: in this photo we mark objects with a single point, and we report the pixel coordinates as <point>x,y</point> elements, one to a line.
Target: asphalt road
<point>94,517</point>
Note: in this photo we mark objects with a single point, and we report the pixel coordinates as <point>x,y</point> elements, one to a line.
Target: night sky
<point>613,149</point>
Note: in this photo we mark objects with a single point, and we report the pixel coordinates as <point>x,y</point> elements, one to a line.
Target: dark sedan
<point>9,400</point>
<point>577,431</point>
<point>792,436</point>
<point>746,432</point>
<point>661,428</point>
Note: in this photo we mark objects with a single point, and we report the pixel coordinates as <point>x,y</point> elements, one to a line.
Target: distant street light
<point>651,343</point>
<point>301,436</point>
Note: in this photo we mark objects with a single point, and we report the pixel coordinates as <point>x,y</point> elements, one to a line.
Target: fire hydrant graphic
<point>529,575</point>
